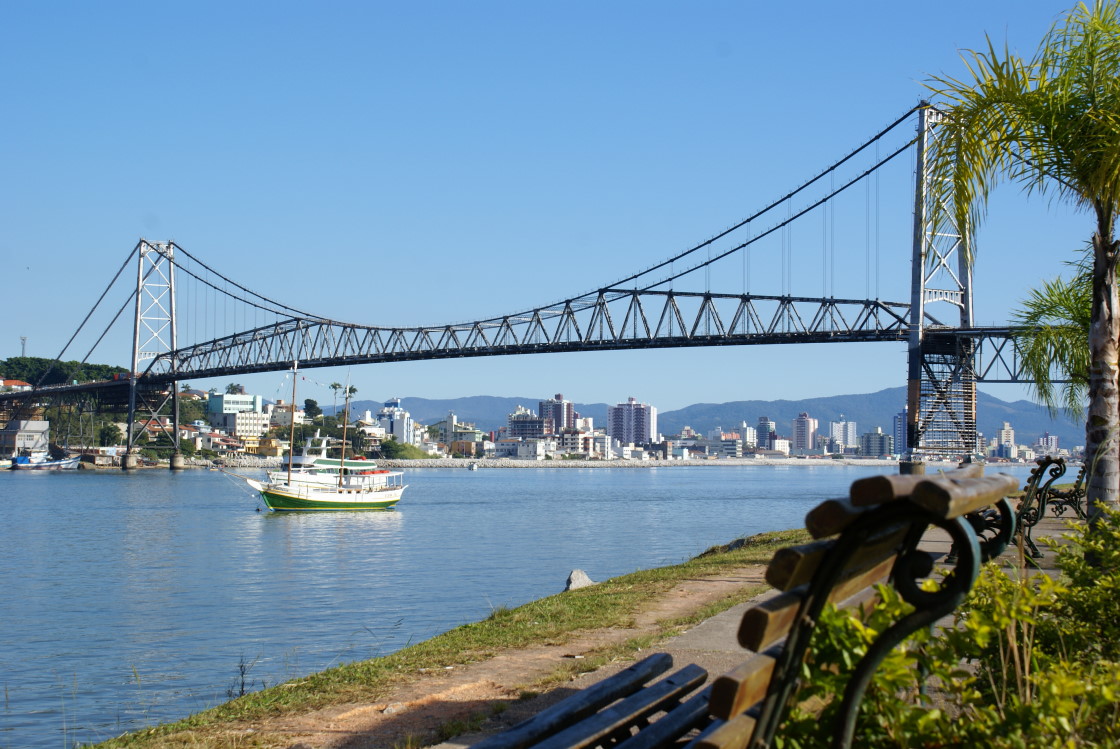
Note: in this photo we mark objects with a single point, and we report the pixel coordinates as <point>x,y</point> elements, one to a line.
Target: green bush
<point>1029,662</point>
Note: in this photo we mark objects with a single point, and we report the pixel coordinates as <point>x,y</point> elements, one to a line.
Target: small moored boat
<point>313,481</point>
<point>44,462</point>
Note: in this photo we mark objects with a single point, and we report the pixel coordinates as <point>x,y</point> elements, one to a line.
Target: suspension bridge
<point>190,321</point>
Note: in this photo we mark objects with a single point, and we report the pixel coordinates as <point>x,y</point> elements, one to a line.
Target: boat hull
<point>313,499</point>
<point>20,464</point>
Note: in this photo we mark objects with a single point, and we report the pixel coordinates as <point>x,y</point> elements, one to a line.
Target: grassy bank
<point>552,620</point>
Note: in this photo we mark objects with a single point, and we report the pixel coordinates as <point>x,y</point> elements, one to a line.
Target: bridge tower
<point>154,334</point>
<point>941,378</point>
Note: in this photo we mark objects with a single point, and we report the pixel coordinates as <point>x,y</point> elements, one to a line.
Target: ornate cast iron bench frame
<point>866,539</point>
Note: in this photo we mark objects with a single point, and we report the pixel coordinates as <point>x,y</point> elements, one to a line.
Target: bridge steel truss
<point>941,372</point>
<point>610,319</point>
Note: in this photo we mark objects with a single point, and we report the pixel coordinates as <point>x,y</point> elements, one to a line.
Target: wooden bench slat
<point>736,732</point>
<point>795,565</point>
<point>579,705</point>
<point>832,516</point>
<point>952,498</point>
<point>770,620</point>
<point>628,712</point>
<point>875,490</point>
<point>666,730</point>
<point>743,686</point>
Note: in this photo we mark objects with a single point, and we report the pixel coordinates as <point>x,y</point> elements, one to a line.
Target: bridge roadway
<point>996,359</point>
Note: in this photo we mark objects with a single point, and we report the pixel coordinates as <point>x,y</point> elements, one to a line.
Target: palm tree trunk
<point>1102,428</point>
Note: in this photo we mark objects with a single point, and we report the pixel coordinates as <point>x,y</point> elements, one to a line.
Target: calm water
<point>130,599</point>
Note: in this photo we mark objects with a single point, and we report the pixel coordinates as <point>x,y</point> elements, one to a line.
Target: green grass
<point>552,620</point>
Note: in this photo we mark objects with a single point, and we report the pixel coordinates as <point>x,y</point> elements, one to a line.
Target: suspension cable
<point>263,298</point>
<point>793,217</point>
<point>874,139</point>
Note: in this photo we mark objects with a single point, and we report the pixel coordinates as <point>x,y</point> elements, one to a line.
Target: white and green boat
<point>348,494</point>
<point>314,482</point>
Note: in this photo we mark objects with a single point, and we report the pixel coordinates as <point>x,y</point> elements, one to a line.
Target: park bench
<point>866,539</point>
<point>1039,494</point>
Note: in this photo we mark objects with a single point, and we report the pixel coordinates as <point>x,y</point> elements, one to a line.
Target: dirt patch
<point>465,695</point>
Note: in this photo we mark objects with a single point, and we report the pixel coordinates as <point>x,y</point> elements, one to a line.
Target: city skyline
<point>396,165</point>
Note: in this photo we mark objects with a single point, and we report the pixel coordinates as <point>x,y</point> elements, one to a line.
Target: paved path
<point>712,643</point>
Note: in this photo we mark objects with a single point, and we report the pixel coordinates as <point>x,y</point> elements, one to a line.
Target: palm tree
<point>335,387</point>
<point>1053,323</point>
<point>1052,125</point>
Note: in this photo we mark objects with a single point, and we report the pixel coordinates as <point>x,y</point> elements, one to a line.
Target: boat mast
<point>292,431</point>
<point>345,420</point>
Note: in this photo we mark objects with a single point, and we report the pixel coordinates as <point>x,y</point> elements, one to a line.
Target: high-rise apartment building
<point>524,424</point>
<point>561,412</point>
<point>1006,435</point>
<point>396,421</point>
<point>804,434</point>
<point>901,442</point>
<point>844,433</point>
<point>767,432</point>
<point>632,422</point>
<point>874,444</point>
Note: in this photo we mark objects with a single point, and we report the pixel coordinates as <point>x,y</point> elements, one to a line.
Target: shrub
<point>1030,662</point>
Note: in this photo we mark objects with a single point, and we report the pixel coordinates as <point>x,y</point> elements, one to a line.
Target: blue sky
<point>433,162</point>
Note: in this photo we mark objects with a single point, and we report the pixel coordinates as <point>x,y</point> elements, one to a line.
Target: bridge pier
<point>911,467</point>
<point>130,461</point>
<point>178,462</point>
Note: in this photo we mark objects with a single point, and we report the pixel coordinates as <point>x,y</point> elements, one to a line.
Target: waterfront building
<point>901,439</point>
<point>280,414</point>
<point>780,446</point>
<point>731,448</point>
<point>524,424</point>
<point>1047,444</point>
<point>632,422</point>
<point>242,424</point>
<point>398,423</point>
<point>749,435</point>
<point>804,434</point>
<point>15,386</point>
<point>561,412</point>
<point>231,403</point>
<point>17,436</point>
<point>875,444</point>
<point>843,433</point>
<point>1006,435</point>
<point>766,434</point>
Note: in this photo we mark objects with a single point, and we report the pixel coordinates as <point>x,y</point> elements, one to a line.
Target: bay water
<point>130,599</point>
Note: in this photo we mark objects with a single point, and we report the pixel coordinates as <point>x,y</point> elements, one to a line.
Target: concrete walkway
<point>712,643</point>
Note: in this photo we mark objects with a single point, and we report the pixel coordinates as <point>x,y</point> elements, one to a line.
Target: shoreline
<point>482,463</point>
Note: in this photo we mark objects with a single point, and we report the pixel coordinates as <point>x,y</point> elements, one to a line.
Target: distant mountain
<point>869,410</point>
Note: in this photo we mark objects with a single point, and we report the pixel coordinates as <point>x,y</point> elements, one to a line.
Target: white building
<point>241,424</point>
<point>280,414</point>
<point>397,422</point>
<point>804,434</point>
<point>632,422</point>
<point>231,403</point>
<point>844,433</point>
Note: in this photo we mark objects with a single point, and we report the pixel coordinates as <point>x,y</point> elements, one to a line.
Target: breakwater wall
<point>487,463</point>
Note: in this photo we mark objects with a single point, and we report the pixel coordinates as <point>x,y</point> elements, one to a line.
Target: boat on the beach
<point>43,461</point>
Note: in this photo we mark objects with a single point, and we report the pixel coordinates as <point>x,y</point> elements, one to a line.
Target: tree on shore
<point>1053,337</point>
<point>1050,124</point>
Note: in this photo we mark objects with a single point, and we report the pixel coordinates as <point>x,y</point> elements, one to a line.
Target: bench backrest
<point>868,538</point>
